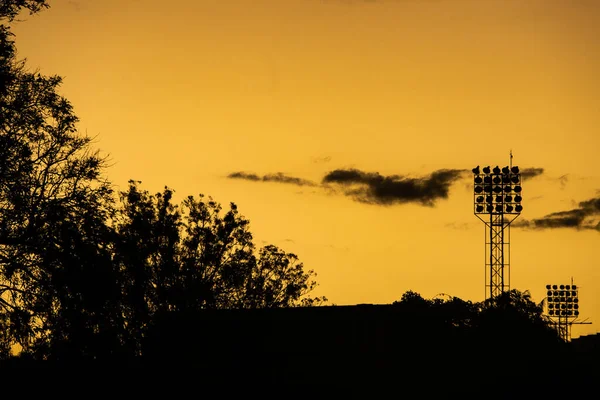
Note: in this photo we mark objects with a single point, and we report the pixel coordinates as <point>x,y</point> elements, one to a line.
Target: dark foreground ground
<point>358,348</point>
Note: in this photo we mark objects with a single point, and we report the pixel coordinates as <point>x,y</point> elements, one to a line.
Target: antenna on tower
<point>511,158</point>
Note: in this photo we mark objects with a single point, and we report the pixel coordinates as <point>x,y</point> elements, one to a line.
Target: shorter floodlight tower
<point>562,306</point>
<point>497,203</point>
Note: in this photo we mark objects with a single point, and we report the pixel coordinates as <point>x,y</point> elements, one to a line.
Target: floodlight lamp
<point>498,199</point>
<point>479,209</point>
<point>549,293</point>
<point>515,170</point>
<point>562,287</point>
<point>518,208</point>
<point>505,179</point>
<point>576,300</point>
<point>576,306</point>
<point>576,313</point>
<point>478,179</point>
<point>554,287</point>
<point>476,170</point>
<point>509,208</point>
<point>487,179</point>
<point>569,312</point>
<point>568,287</point>
<point>518,189</point>
<point>548,286</point>
<point>490,208</point>
<point>574,287</point>
<point>478,189</point>
<point>518,198</point>
<point>508,199</point>
<point>573,293</point>
<point>507,189</point>
<point>497,180</point>
<point>497,189</point>
<point>489,199</point>
<point>505,170</point>
<point>479,199</point>
<point>486,170</point>
<point>496,170</point>
<point>551,312</point>
<point>514,179</point>
<point>499,208</point>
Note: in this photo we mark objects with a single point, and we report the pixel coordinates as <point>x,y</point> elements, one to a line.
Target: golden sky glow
<point>184,93</point>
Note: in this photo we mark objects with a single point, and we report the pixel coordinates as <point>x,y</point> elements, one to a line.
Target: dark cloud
<point>281,178</point>
<point>586,216</point>
<point>529,173</point>
<point>244,175</point>
<point>373,188</point>
<point>277,177</point>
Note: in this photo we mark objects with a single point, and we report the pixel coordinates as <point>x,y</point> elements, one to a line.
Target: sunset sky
<point>277,105</point>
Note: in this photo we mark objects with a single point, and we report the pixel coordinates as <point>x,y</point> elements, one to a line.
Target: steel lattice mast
<point>497,203</point>
<point>497,255</point>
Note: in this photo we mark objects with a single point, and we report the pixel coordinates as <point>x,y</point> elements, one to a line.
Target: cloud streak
<point>529,173</point>
<point>586,216</point>
<point>374,188</point>
<point>278,177</point>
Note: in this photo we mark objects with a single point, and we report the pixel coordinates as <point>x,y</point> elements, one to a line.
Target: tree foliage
<point>194,256</point>
<point>9,9</point>
<point>56,276</point>
<point>83,272</point>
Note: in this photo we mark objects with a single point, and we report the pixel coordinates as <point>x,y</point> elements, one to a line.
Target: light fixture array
<point>497,191</point>
<point>562,300</point>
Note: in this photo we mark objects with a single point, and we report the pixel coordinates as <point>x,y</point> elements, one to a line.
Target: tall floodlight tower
<point>497,202</point>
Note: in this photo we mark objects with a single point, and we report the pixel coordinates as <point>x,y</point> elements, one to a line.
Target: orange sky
<point>186,93</point>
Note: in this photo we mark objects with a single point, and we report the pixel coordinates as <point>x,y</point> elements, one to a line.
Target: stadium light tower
<point>497,203</point>
<point>562,306</point>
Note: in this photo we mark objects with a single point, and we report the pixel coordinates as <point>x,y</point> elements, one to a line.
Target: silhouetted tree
<point>147,229</point>
<point>192,256</point>
<point>278,279</point>
<point>9,9</point>
<point>515,322</point>
<point>81,278</point>
<point>57,282</point>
